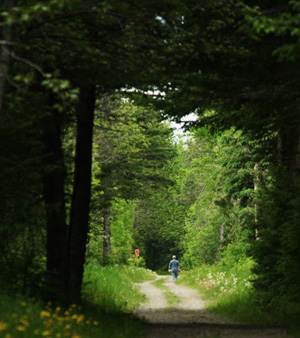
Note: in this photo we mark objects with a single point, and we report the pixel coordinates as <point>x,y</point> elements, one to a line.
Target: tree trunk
<point>107,235</point>
<point>53,180</point>
<point>80,206</point>
<point>221,239</point>
<point>255,186</point>
<point>5,51</point>
<point>280,147</point>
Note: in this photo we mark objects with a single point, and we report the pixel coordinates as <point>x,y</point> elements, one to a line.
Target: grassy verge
<point>229,293</point>
<point>172,299</point>
<point>111,288</point>
<point>104,312</point>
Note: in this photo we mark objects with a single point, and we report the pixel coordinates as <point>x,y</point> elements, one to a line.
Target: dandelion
<point>21,328</point>
<point>3,326</point>
<point>24,321</point>
<point>45,314</point>
<point>80,318</point>
<point>46,333</point>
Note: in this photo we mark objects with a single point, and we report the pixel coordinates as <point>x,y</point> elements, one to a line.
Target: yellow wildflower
<point>80,318</point>
<point>67,313</point>
<point>3,326</point>
<point>88,322</point>
<point>58,309</point>
<point>21,328</point>
<point>36,332</point>
<point>95,322</point>
<point>46,333</point>
<point>68,326</point>
<point>67,334</point>
<point>74,316</point>
<point>24,321</point>
<point>8,335</point>
<point>23,303</point>
<point>58,335</point>
<point>75,336</point>
<point>45,314</point>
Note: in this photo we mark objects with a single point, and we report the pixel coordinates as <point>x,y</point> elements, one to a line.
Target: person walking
<point>174,267</point>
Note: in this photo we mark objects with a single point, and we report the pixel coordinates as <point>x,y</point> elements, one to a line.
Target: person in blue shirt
<point>174,267</point>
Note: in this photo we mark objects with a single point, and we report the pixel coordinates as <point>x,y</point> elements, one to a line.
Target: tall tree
<point>133,149</point>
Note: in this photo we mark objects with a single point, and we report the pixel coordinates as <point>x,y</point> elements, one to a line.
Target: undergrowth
<point>108,295</point>
<point>229,292</point>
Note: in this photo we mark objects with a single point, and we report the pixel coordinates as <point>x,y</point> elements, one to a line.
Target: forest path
<point>188,318</point>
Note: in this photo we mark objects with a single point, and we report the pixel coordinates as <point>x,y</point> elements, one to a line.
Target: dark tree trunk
<point>280,147</point>
<point>107,235</point>
<point>221,240</point>
<point>53,180</point>
<point>255,186</point>
<point>5,51</point>
<point>80,207</point>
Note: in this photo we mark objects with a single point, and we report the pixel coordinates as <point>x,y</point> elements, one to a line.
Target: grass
<point>111,288</point>
<point>172,299</point>
<point>104,312</point>
<point>229,293</point>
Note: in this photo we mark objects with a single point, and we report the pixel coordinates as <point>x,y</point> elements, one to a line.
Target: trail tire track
<point>189,318</point>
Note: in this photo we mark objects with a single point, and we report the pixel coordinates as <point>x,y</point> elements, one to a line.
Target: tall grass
<point>111,288</point>
<point>98,316</point>
<point>228,290</point>
<point>229,293</point>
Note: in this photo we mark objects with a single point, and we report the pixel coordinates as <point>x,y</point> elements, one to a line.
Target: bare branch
<point>21,59</point>
<point>7,43</point>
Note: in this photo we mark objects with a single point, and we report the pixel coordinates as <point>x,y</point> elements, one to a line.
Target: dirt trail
<point>189,319</point>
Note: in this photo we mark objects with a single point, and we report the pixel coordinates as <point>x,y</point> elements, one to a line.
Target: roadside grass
<point>111,288</point>
<point>172,299</point>
<point>30,318</point>
<point>230,294</point>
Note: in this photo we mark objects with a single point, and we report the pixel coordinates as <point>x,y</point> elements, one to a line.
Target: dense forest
<point>90,168</point>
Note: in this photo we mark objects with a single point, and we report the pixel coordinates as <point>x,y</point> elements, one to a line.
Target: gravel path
<point>189,319</point>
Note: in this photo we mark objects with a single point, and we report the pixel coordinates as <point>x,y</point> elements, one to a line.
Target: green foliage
<point>277,250</point>
<point>219,175</point>
<point>228,289</point>
<point>158,228</point>
<point>121,234</point>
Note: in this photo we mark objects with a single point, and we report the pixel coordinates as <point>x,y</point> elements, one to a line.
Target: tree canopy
<point>64,151</point>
